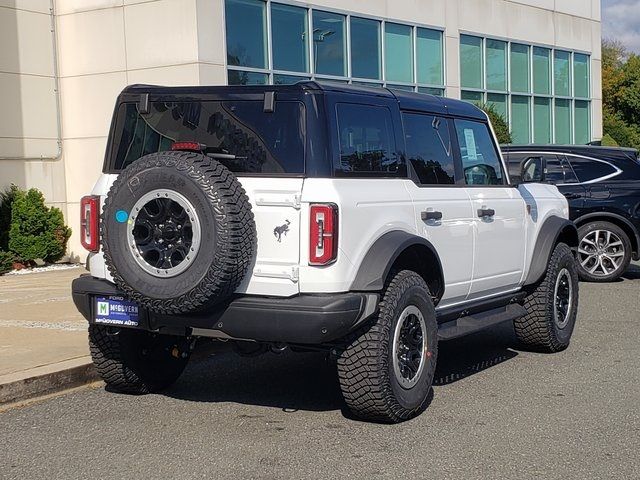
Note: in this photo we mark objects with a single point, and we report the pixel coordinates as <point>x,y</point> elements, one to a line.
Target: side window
<point>559,171</point>
<point>428,148</point>
<point>587,169</point>
<point>367,144</point>
<point>480,161</point>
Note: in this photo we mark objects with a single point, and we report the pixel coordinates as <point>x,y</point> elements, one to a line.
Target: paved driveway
<point>497,412</point>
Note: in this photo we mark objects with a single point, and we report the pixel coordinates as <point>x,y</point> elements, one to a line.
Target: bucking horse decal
<point>278,231</point>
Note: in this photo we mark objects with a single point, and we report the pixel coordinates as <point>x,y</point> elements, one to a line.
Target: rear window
<point>239,134</point>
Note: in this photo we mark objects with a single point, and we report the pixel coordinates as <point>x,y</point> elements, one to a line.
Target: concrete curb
<point>15,387</point>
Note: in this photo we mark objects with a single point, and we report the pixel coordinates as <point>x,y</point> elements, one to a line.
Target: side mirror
<point>533,170</point>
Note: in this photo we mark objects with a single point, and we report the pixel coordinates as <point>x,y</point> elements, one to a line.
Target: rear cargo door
<point>276,208</point>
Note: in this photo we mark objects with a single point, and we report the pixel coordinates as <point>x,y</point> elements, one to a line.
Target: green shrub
<point>500,124</point>
<point>6,201</point>
<point>6,262</point>
<point>37,231</point>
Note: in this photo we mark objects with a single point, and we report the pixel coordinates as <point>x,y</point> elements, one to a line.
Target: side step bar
<point>456,322</point>
<point>479,321</point>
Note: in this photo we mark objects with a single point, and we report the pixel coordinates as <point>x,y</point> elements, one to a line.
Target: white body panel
<point>452,237</point>
<point>500,240</point>
<point>479,259</point>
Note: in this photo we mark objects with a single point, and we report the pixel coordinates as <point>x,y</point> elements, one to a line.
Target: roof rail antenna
<point>269,102</point>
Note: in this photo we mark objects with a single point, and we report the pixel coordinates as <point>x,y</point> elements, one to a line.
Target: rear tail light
<point>187,146</point>
<point>89,220</point>
<point>323,234</point>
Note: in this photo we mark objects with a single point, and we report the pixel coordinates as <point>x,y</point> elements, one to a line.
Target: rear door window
<point>239,134</point>
<point>366,142</point>
<point>428,148</point>
<point>558,170</point>
<point>480,160</point>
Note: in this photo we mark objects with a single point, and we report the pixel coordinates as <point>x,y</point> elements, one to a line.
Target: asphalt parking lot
<point>497,412</point>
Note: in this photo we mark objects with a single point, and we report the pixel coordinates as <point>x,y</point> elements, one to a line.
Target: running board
<point>479,321</point>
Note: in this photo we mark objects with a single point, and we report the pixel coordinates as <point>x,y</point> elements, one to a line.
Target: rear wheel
<point>137,362</point>
<point>604,252</point>
<point>387,369</point>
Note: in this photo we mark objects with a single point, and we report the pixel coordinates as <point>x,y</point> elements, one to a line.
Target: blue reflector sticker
<point>116,311</point>
<point>122,216</point>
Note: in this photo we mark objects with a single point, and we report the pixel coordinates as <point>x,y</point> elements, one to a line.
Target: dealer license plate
<point>116,311</point>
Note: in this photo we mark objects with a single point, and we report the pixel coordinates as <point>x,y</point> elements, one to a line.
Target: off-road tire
<point>137,362</point>
<point>587,228</point>
<point>538,330</point>
<point>367,378</point>
<point>228,232</point>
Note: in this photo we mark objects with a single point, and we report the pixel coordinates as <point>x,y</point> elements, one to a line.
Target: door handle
<point>430,215</point>
<point>486,212</point>
<point>572,196</point>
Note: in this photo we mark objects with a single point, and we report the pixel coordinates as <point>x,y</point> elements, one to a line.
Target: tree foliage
<point>621,95</point>
<point>500,124</point>
<point>37,231</point>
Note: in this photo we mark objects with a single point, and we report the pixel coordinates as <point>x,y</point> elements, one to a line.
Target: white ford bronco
<point>366,222</point>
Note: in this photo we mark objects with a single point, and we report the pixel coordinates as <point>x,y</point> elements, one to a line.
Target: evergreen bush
<point>37,231</point>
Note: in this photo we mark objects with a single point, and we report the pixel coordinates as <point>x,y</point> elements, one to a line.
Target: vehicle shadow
<point>632,273</point>
<point>308,381</point>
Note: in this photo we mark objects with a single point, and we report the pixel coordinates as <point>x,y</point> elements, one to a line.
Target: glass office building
<point>543,90</point>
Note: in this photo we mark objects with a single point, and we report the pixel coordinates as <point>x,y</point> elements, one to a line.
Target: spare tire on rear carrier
<point>178,233</point>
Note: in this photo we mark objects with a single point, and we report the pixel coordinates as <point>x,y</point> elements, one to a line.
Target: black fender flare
<point>620,218</point>
<point>377,262</point>
<point>553,230</point>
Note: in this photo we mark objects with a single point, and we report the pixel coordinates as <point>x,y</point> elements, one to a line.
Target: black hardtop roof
<point>407,100</point>
<point>585,150</point>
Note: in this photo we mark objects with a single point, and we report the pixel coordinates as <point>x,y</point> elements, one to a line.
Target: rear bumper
<point>303,319</point>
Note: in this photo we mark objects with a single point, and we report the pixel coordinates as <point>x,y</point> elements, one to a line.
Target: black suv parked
<point>602,185</point>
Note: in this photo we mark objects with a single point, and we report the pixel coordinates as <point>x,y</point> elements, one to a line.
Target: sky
<point>621,21</point>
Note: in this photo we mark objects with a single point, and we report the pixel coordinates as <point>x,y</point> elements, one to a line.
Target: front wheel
<point>137,362</point>
<point>386,370</point>
<point>552,307</point>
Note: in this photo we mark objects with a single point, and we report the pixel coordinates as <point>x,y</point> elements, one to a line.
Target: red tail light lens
<point>89,221</point>
<point>187,146</point>
<point>323,234</point>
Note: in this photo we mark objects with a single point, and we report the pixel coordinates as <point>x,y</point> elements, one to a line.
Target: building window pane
<point>499,103</point>
<point>542,120</point>
<point>473,97</point>
<point>246,33</point>
<point>429,56</point>
<point>287,79</point>
<point>289,38</point>
<point>520,68</point>
<point>365,48</point>
<point>471,61</point>
<point>520,119</point>
<point>582,127</point>
<point>398,53</point>
<point>329,43</point>
<point>581,75</point>
<point>563,121</point>
<point>438,92</point>
<point>542,70</point>
<point>496,67</point>
<point>236,77</point>
<point>407,88</point>
<point>562,73</point>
